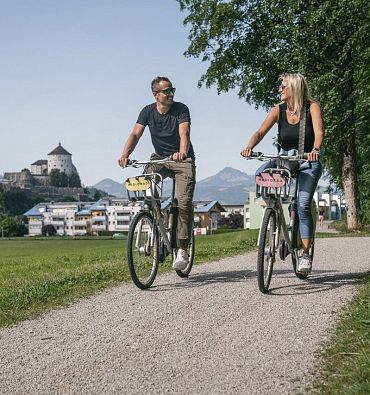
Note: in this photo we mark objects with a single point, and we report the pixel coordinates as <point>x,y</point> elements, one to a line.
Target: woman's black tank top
<point>288,134</point>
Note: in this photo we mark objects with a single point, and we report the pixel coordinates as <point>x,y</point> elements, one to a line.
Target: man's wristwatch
<point>316,149</point>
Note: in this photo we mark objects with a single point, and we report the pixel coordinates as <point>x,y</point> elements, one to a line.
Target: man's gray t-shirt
<point>164,128</point>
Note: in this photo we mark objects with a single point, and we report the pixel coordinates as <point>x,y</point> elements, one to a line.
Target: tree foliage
<point>15,201</point>
<point>232,221</point>
<point>12,226</point>
<point>74,180</point>
<point>249,43</point>
<point>60,179</point>
<point>48,230</point>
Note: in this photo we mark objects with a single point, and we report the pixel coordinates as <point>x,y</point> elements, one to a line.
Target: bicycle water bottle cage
<point>273,182</point>
<point>144,186</point>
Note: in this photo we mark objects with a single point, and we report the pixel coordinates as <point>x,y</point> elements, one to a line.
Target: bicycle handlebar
<point>261,156</point>
<point>136,163</point>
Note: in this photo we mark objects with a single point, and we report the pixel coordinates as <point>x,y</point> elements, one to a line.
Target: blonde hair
<point>299,89</point>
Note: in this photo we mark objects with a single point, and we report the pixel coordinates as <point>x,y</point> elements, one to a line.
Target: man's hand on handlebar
<point>178,156</point>
<point>123,161</point>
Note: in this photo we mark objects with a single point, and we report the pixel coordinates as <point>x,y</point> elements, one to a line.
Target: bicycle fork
<point>146,248</point>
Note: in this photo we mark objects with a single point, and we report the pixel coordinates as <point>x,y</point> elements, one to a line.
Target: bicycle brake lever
<point>256,154</point>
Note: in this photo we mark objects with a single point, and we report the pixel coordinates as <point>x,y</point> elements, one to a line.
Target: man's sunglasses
<point>168,91</point>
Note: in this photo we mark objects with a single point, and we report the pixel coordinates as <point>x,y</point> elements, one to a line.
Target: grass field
<point>345,363</point>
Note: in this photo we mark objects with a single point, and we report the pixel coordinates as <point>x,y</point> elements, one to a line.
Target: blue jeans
<point>308,178</point>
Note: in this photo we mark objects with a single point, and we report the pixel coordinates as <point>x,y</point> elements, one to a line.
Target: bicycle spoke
<point>143,250</point>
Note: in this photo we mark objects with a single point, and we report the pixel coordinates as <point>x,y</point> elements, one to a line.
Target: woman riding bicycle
<point>294,94</point>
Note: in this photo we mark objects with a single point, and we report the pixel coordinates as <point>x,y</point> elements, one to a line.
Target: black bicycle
<point>153,231</point>
<point>276,237</point>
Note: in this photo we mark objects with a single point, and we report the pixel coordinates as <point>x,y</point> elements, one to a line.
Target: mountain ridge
<point>228,186</point>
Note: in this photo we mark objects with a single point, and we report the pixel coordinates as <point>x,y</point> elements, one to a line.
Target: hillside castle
<point>38,178</point>
<point>58,159</point>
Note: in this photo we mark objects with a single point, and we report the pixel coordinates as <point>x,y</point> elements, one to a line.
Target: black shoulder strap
<point>282,108</point>
<point>302,130</point>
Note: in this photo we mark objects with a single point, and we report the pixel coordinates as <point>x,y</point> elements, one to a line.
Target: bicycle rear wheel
<point>191,251</point>
<point>142,250</point>
<point>266,250</point>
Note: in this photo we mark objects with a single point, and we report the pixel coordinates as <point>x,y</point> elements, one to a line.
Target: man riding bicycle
<point>169,126</point>
<point>295,96</point>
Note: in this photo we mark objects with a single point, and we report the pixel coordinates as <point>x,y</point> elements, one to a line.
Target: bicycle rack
<point>144,186</point>
<point>262,190</point>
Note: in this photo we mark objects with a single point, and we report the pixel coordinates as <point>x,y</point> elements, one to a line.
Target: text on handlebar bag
<point>273,180</point>
<point>137,184</point>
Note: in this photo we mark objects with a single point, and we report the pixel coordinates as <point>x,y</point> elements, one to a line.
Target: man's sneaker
<point>305,264</point>
<point>181,260</point>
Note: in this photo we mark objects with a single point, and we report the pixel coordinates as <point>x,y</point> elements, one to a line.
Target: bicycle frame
<point>275,191</point>
<point>148,196</point>
<point>275,202</point>
<point>275,234</point>
<point>148,188</point>
<point>153,233</point>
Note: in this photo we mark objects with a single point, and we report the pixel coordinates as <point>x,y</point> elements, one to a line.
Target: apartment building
<point>82,218</point>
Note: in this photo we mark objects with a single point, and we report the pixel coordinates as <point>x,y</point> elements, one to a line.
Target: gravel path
<point>212,333</point>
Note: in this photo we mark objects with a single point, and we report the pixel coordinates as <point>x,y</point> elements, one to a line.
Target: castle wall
<point>63,163</point>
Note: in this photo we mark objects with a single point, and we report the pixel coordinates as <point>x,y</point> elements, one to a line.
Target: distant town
<point>65,208</point>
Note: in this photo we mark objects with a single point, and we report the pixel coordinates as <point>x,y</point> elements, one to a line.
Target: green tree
<point>97,195</point>
<point>16,202</point>
<point>58,178</point>
<point>248,44</point>
<point>2,200</point>
<point>48,230</point>
<point>232,221</point>
<point>74,180</point>
<point>12,226</point>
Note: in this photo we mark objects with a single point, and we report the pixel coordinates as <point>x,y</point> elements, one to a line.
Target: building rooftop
<point>59,151</point>
<point>40,162</point>
<point>206,206</point>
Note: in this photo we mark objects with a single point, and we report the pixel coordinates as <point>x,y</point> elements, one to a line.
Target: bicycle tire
<point>142,250</point>
<point>266,250</point>
<point>191,251</point>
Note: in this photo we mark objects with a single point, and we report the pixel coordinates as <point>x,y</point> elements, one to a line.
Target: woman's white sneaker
<point>305,264</point>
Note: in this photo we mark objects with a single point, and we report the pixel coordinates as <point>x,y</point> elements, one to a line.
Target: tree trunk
<point>350,188</point>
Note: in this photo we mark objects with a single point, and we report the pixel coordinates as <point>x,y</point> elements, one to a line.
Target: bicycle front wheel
<point>266,250</point>
<point>191,251</point>
<point>142,250</point>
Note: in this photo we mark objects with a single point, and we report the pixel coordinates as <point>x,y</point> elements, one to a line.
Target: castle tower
<point>61,160</point>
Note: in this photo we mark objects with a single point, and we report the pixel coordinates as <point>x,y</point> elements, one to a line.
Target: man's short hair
<point>156,81</point>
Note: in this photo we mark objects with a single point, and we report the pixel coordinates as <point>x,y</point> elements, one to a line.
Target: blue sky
<point>79,71</point>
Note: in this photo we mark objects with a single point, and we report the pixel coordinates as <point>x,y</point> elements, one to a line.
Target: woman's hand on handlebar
<point>313,156</point>
<point>247,152</point>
